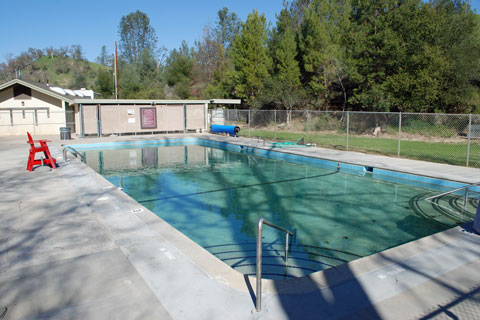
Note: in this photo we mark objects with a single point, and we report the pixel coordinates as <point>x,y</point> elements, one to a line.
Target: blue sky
<point>92,24</point>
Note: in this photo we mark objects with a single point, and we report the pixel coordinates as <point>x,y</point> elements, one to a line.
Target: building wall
<point>41,122</point>
<point>120,119</point>
<point>195,116</point>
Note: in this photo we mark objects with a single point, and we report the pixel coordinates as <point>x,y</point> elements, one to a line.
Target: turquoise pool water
<point>216,196</point>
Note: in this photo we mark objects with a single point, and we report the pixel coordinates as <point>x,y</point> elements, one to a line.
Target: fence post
<point>348,124</point>
<point>275,124</point>
<point>308,122</point>
<point>399,132</point>
<point>249,120</point>
<point>468,136</point>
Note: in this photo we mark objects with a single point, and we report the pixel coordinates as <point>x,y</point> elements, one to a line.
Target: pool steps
<point>302,259</point>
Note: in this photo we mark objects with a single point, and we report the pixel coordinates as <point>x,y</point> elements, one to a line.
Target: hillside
<point>64,72</point>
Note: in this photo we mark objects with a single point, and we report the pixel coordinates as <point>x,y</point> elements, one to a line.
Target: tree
<point>104,83</point>
<point>105,58</point>
<point>321,48</point>
<point>228,26</point>
<point>79,81</point>
<point>373,44</point>
<point>414,78</point>
<point>136,35</point>
<point>414,56</point>
<point>213,69</point>
<point>250,57</point>
<point>141,80</point>
<point>458,35</point>
<point>76,52</point>
<point>285,86</point>
<point>178,73</point>
<point>208,55</point>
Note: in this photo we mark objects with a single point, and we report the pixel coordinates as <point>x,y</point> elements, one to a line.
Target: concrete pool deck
<point>72,246</point>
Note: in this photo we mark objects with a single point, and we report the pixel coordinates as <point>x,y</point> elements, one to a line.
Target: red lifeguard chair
<point>42,148</point>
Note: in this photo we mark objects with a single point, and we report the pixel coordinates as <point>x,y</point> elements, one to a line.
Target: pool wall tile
<point>417,180</point>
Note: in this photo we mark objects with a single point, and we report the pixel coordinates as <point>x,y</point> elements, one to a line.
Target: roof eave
<point>154,102</point>
<point>34,87</point>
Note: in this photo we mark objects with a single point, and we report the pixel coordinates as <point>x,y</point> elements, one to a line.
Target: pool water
<point>215,197</point>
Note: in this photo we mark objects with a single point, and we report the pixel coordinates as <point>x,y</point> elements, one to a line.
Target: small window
<point>22,92</point>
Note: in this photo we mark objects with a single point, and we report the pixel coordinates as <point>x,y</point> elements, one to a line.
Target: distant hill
<point>63,72</point>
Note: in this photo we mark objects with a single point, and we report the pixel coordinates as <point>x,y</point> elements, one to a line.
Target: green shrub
<point>428,129</point>
<point>326,122</point>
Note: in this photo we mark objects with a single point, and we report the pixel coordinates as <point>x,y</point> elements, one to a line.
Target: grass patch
<point>450,153</point>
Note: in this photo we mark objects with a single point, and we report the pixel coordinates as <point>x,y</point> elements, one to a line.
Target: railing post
<point>468,136</point>
<point>399,132</point>
<point>262,221</point>
<point>258,304</point>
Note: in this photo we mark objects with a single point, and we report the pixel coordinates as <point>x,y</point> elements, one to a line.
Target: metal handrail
<point>261,222</point>
<point>455,190</point>
<point>75,153</point>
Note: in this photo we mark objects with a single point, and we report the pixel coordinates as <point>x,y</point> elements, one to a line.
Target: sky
<point>92,24</point>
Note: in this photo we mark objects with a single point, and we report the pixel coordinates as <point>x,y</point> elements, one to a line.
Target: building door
<point>70,117</point>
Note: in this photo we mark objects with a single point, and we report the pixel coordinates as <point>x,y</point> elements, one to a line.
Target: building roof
<point>153,102</point>
<point>40,87</point>
<point>63,95</point>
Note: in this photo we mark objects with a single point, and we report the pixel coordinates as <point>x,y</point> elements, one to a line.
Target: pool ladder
<point>429,199</point>
<point>74,152</point>
<point>261,222</point>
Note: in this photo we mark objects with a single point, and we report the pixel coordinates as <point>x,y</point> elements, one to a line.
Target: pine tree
<point>285,86</point>
<point>324,24</point>
<point>136,34</point>
<point>179,70</point>
<point>250,57</point>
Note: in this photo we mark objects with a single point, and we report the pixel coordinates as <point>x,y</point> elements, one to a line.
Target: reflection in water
<point>216,197</point>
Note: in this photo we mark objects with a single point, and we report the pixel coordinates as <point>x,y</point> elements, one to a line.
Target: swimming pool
<point>215,193</point>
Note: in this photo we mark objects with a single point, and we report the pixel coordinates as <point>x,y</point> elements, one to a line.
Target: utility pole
<point>116,72</point>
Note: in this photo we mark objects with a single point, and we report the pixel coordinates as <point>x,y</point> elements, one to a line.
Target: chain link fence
<point>443,138</point>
